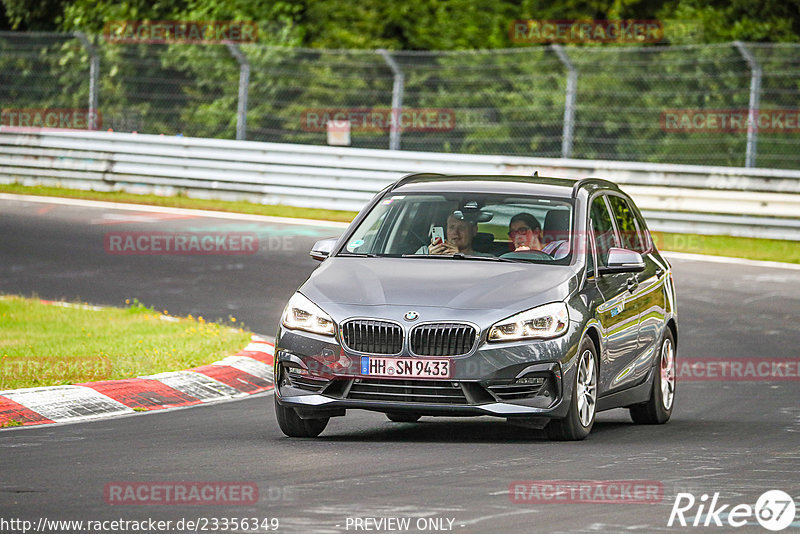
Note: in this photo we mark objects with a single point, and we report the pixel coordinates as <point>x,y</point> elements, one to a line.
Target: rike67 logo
<point>774,510</point>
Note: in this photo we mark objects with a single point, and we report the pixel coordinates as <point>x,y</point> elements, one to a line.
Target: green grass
<point>737,247</point>
<point>44,344</point>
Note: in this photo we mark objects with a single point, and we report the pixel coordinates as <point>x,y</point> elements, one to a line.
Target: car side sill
<point>634,395</point>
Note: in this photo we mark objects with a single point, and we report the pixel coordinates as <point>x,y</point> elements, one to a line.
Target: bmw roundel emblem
<point>411,316</point>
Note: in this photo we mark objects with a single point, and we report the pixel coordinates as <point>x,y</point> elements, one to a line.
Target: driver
<point>460,234</point>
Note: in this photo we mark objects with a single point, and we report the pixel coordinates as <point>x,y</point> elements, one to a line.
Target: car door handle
<point>632,283</point>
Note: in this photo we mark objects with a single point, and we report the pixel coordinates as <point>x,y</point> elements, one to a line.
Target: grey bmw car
<point>537,300</point>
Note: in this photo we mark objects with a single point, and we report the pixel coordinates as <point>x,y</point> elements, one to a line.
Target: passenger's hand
<point>442,248</point>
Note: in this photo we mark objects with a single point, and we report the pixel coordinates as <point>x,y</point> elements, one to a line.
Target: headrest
<point>483,241</point>
<point>556,221</point>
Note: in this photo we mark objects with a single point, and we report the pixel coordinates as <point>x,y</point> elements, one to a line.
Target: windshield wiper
<point>457,256</point>
<point>461,256</point>
<point>357,255</point>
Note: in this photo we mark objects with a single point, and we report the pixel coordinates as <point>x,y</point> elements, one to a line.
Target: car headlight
<point>542,322</point>
<point>302,314</point>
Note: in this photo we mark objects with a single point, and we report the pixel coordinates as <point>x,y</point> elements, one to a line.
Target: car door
<point>620,323</point>
<point>646,297</point>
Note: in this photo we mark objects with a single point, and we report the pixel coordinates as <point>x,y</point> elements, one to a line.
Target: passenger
<point>460,234</point>
<point>525,232</point>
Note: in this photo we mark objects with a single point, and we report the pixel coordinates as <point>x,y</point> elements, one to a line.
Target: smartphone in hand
<point>437,235</point>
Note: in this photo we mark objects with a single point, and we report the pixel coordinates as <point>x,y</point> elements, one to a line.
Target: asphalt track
<point>736,438</point>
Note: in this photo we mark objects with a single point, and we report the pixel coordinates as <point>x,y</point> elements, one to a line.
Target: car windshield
<point>489,227</point>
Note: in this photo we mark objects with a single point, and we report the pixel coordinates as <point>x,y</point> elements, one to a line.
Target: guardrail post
<point>397,99</point>
<point>94,73</point>
<point>244,83</point>
<point>755,96</point>
<point>569,101</point>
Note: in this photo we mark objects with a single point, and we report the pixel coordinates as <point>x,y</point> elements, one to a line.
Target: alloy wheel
<point>667,374</point>
<point>587,388</point>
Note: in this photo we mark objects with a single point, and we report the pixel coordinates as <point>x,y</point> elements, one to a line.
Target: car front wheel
<point>583,403</point>
<point>293,426</point>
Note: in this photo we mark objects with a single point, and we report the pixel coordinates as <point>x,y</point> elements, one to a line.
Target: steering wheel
<point>528,255</point>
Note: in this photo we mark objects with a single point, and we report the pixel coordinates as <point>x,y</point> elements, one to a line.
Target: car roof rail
<point>414,176</point>
<point>587,181</point>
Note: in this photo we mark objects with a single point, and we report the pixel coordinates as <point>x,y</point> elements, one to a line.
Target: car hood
<point>450,283</point>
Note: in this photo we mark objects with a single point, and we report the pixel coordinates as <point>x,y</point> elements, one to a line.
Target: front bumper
<point>318,377</point>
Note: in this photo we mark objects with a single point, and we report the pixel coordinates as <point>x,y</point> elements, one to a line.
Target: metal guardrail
<point>678,198</point>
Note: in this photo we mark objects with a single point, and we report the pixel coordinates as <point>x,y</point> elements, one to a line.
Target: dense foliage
<point>411,24</point>
<point>456,55</point>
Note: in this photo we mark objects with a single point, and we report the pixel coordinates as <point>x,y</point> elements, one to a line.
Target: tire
<point>293,426</point>
<point>403,417</point>
<point>658,409</point>
<point>583,402</point>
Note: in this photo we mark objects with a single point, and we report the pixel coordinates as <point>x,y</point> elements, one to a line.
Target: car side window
<point>603,228</point>
<point>626,224</point>
<point>647,239</point>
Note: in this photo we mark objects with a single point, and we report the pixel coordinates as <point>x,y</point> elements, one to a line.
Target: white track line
<point>163,209</point>
<point>732,261</point>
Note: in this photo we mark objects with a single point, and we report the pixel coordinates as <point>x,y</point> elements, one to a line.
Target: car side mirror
<point>622,260</point>
<point>323,248</point>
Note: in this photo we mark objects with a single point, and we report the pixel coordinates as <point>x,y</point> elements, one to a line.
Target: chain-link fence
<point>678,104</point>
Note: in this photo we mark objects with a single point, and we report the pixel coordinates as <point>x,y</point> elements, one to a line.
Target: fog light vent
<point>530,380</point>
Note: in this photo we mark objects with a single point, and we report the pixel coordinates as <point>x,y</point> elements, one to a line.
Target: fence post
<point>244,83</point>
<point>755,96</point>
<point>569,101</point>
<point>397,99</point>
<point>94,74</point>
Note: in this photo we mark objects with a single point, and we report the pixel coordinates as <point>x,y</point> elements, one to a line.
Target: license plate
<point>405,367</point>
